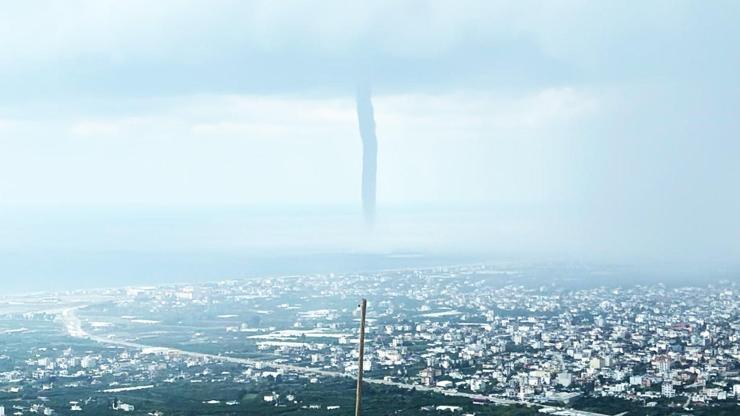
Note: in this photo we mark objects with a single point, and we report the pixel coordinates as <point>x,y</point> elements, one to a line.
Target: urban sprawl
<point>486,335</point>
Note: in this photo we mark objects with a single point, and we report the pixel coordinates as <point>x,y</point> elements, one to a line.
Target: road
<point>74,327</point>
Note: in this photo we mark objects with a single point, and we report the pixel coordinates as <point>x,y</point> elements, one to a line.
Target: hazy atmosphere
<point>369,208</point>
<point>173,139</point>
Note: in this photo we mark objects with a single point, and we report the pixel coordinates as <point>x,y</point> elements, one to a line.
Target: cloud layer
<point>611,124</point>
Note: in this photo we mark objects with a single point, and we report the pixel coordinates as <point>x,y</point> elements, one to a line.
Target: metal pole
<point>361,362</point>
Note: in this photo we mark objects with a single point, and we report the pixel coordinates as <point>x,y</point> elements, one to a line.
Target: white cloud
<point>99,128</point>
<point>7,124</point>
<point>250,117</point>
<point>489,113</point>
<point>270,149</point>
<point>117,30</point>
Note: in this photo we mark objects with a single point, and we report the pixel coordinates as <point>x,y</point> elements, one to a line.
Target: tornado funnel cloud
<point>366,121</point>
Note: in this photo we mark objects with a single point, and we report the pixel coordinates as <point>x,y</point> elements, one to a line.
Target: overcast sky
<point>602,127</point>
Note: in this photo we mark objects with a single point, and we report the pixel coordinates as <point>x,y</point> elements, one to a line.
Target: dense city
<point>476,339</point>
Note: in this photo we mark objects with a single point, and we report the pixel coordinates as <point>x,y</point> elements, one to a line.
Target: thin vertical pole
<point>361,362</point>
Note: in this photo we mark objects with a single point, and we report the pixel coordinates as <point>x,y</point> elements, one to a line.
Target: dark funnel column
<point>366,120</point>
